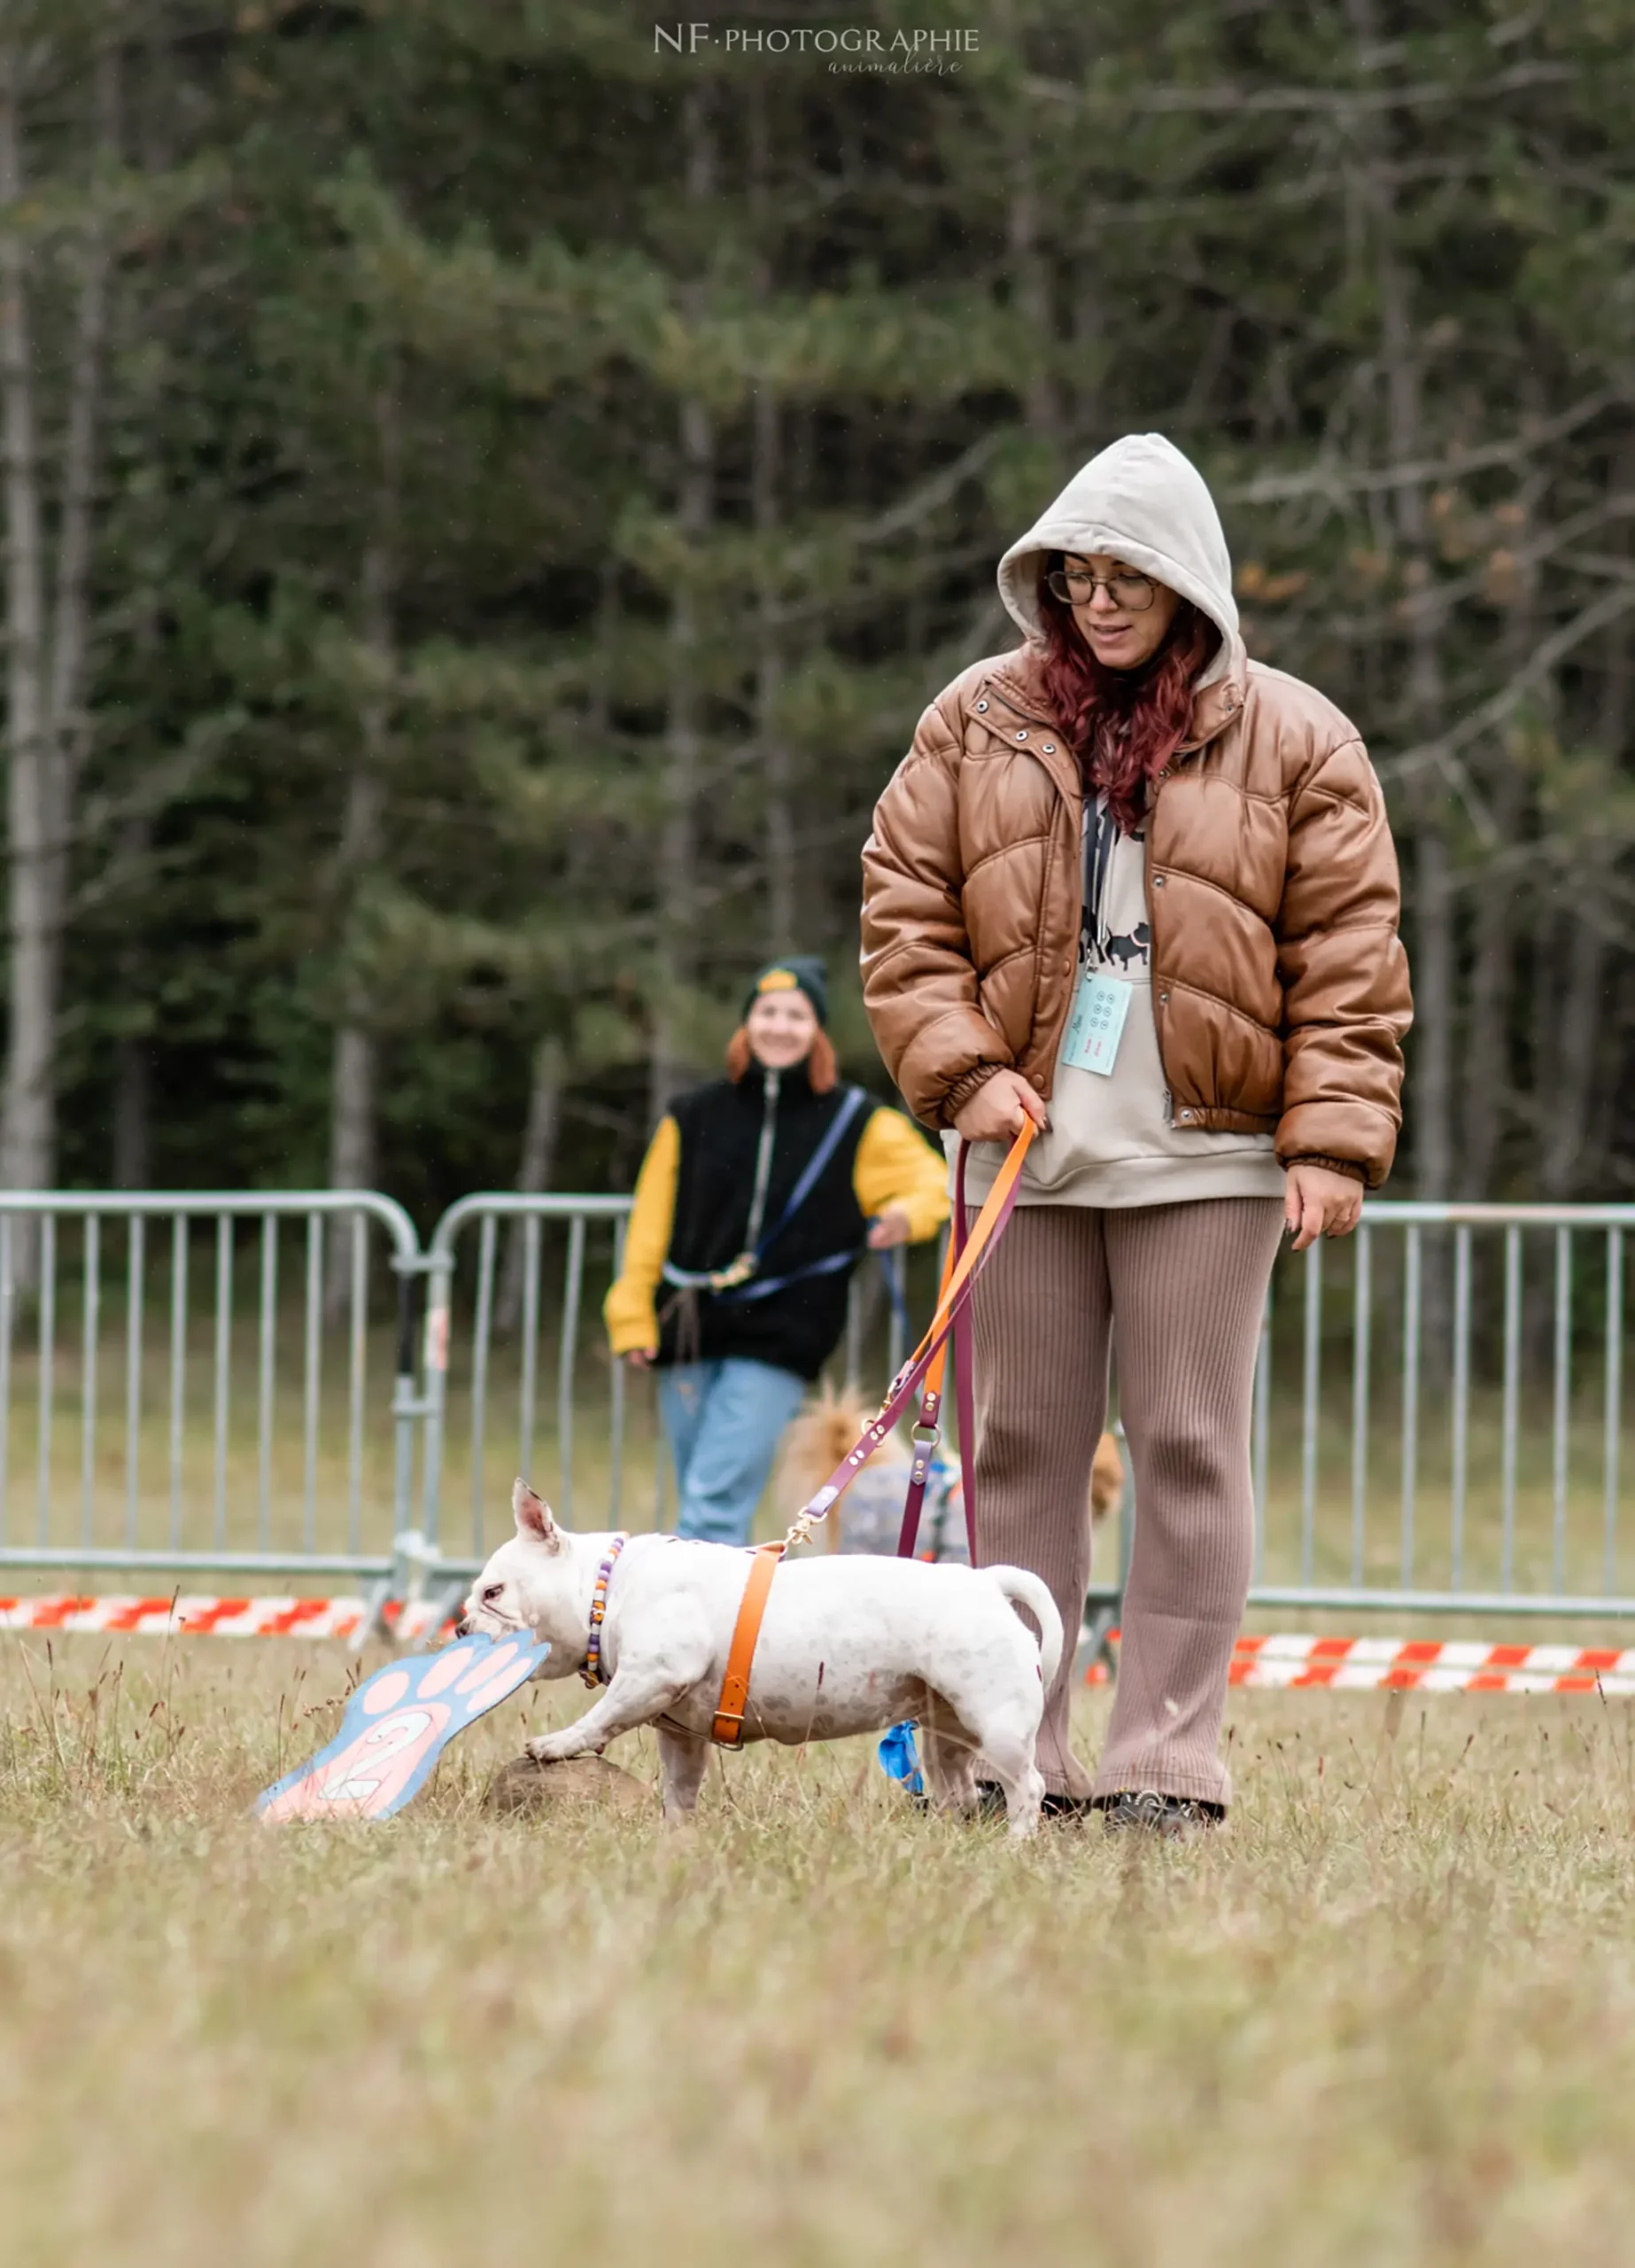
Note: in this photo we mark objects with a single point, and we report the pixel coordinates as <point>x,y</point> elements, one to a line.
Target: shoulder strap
<point>741,1279</point>
<point>851,1103</point>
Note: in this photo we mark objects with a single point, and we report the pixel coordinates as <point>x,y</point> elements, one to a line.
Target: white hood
<point>1144,502</point>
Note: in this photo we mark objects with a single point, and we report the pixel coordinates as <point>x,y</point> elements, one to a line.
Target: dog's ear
<point>533,1518</point>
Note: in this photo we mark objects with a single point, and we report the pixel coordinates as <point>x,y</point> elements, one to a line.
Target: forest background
<point>489,488</point>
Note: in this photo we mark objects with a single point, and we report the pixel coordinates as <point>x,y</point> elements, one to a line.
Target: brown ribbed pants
<point>1175,1292</point>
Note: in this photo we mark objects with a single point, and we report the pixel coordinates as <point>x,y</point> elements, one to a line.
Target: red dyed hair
<point>1124,725</point>
<point>821,1068</point>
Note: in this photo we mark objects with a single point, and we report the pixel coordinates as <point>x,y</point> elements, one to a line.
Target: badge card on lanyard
<point>1101,1002</point>
<point>1096,1024</point>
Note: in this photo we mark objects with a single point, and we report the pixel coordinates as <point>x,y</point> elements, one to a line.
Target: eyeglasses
<point>1076,586</point>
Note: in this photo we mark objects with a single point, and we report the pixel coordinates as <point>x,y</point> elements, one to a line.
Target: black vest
<point>796,1329</point>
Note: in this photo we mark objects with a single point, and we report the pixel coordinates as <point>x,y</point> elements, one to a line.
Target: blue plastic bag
<point>900,1759</point>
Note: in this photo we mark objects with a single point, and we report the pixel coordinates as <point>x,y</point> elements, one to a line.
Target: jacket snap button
<point>1048,747</point>
<point>982,705</point>
<point>1186,1113</point>
<point>1021,736</point>
<point>1158,882</point>
<point>1163,999</point>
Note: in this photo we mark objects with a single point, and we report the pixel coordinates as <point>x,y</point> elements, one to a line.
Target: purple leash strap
<point>927,1432</point>
<point>907,1384</point>
<point>965,1379</point>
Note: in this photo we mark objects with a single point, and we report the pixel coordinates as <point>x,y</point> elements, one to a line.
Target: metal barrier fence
<point>529,1218</point>
<point>1506,1434</point>
<point>173,1497</point>
<point>1438,1410</point>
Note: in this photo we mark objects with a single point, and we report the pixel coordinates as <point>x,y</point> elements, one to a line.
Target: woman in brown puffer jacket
<point>1142,890</point>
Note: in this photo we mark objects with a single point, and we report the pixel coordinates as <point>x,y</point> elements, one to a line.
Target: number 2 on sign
<point>1096,1024</point>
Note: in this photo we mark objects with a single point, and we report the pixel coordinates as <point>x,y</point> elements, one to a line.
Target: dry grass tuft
<point>1390,2017</point>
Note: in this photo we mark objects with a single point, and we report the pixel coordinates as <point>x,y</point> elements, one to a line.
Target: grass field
<point>1389,2016</point>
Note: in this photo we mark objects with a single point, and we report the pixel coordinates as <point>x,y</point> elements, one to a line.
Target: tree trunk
<point>352,1141</point>
<point>1564,1107</point>
<point>355,1065</point>
<point>1485,1073</point>
<point>535,1172</point>
<point>27,1115</point>
<point>354,1070</point>
<point>1435,959</point>
<point>133,1115</point>
<point>1567,1133</point>
<point>133,1082</point>
<point>1435,974</point>
<point>1041,408</point>
<point>1485,1099</point>
<point>71,615</point>
<point>149,130</point>
<point>47,689</point>
<point>1435,982</point>
<point>1027,265</point>
<point>765,487</point>
<point>782,871</point>
<point>1089,346</point>
<point>352,1114</point>
<point>667,1069</point>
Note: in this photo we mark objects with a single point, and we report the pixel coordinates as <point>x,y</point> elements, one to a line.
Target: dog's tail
<point>1026,1591</point>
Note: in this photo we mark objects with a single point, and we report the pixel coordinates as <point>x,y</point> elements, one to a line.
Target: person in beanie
<point>1140,890</point>
<point>758,1195</point>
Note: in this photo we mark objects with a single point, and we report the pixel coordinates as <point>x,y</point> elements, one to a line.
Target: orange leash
<point>924,1366</point>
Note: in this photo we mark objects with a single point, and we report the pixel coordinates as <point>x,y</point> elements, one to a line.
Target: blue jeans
<point>724,1419</point>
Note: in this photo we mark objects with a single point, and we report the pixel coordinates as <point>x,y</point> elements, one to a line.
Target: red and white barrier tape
<point>1431,1666</point>
<point>185,1615</point>
<point>1342,1665</point>
<point>1420,1665</point>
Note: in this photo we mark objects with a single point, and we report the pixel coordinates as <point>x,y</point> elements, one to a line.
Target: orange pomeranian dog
<point>869,1515</point>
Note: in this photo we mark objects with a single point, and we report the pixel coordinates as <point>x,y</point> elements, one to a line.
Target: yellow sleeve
<point>630,1310</point>
<point>896,1165</point>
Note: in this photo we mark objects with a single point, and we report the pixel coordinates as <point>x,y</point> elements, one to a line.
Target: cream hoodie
<point>1112,1141</point>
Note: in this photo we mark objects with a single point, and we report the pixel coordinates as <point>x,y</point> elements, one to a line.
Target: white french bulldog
<point>848,1645</point>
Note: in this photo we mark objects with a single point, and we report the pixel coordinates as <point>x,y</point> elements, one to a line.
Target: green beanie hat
<point>795,972</point>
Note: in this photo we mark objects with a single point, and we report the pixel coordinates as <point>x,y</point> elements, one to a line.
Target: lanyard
<point>1101,841</point>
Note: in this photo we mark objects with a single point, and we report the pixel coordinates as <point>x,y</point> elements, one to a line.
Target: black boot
<point>1178,1817</point>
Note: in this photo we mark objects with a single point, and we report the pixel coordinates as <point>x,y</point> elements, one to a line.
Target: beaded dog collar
<point>591,1672</point>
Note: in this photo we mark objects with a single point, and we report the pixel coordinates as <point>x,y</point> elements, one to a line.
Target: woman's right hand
<point>996,1111</point>
<point>641,1358</point>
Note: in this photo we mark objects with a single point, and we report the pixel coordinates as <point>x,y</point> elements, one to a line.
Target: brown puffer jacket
<point>1279,987</point>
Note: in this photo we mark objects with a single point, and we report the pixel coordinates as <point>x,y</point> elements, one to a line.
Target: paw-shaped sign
<point>397,1724</point>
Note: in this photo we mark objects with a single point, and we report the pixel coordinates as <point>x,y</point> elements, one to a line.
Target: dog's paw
<point>551,1748</point>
